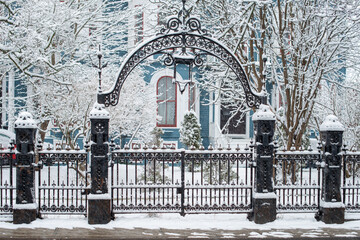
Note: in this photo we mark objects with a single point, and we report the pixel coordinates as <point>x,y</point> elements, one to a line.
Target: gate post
<point>99,201</point>
<point>264,198</point>
<point>25,209</point>
<point>332,210</point>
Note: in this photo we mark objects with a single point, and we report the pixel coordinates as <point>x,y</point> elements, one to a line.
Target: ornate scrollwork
<point>182,31</point>
<point>169,60</point>
<point>180,40</point>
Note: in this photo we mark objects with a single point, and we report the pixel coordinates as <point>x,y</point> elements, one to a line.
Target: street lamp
<point>185,58</point>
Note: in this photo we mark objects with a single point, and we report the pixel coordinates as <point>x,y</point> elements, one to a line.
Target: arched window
<point>166,100</point>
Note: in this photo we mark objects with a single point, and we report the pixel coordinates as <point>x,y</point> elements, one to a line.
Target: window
<point>234,126</point>
<point>166,100</point>
<point>192,97</point>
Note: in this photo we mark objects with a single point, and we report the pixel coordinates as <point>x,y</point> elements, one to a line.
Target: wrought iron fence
<point>178,181</point>
<point>297,180</point>
<point>7,180</point>
<point>186,182</point>
<point>62,181</point>
<point>351,180</point>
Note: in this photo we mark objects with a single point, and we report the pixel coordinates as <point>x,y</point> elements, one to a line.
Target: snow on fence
<point>297,180</point>
<point>181,181</point>
<point>191,181</point>
<point>7,181</point>
<point>351,181</point>
<point>62,181</point>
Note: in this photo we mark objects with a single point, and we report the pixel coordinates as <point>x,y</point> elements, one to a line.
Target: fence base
<point>99,209</point>
<point>332,214</point>
<point>24,213</point>
<point>264,206</point>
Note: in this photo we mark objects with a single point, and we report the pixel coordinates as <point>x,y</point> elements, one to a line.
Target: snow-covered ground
<point>200,221</point>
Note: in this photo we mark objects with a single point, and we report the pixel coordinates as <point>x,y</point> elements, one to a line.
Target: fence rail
<point>179,181</point>
<point>186,182</point>
<point>297,180</point>
<point>62,181</point>
<point>7,180</point>
<point>351,180</point>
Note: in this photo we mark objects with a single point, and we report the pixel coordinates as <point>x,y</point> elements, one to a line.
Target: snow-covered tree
<point>305,43</point>
<point>52,46</point>
<point>190,131</point>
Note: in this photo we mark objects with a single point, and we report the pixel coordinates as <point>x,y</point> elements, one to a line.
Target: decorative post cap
<point>263,113</point>
<point>25,120</point>
<point>331,123</point>
<point>99,112</point>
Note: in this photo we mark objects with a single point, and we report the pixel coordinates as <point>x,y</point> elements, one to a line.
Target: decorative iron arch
<point>180,33</point>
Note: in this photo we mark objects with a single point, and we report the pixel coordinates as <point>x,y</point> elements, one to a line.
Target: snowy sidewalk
<point>165,226</point>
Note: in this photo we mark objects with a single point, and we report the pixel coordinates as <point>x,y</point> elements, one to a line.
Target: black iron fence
<point>297,180</point>
<point>182,181</point>
<point>179,181</point>
<point>7,180</point>
<point>351,180</point>
<point>62,181</point>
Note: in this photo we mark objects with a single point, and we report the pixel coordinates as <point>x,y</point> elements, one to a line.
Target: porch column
<point>99,202</point>
<point>332,210</point>
<point>264,198</point>
<point>25,209</point>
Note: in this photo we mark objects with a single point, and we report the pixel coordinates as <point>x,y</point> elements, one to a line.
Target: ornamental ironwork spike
<point>163,147</point>
<point>58,147</point>
<point>228,148</point>
<point>39,145</point>
<point>210,147</point>
<point>237,147</point>
<point>126,147</point>
<point>145,147</point>
<point>192,147</point>
<point>202,147</point>
<point>154,147</point>
<point>247,147</point>
<point>49,147</point>
<point>220,147</point>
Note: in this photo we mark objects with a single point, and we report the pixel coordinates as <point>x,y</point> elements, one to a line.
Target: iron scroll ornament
<point>179,40</point>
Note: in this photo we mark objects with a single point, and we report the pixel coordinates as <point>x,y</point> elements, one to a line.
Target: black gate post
<point>332,210</point>
<point>25,209</point>
<point>99,200</point>
<point>264,197</point>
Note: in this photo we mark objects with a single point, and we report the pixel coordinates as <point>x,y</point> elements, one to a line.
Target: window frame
<point>158,124</point>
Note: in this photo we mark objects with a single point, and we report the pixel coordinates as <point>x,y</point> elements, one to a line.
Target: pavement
<point>167,226</point>
<point>141,233</point>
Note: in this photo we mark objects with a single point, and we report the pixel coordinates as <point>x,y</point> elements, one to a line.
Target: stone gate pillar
<point>264,198</point>
<point>332,209</point>
<point>25,209</point>
<point>99,202</point>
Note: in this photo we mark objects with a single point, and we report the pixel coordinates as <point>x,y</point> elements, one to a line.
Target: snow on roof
<point>331,123</point>
<point>263,113</point>
<point>25,120</point>
<point>99,111</point>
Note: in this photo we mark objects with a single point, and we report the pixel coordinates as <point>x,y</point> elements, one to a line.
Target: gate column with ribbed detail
<point>25,209</point>
<point>264,197</point>
<point>332,209</point>
<point>99,201</point>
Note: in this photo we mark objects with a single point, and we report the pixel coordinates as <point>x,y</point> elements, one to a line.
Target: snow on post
<point>99,112</point>
<point>331,123</point>
<point>263,113</point>
<point>25,120</point>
